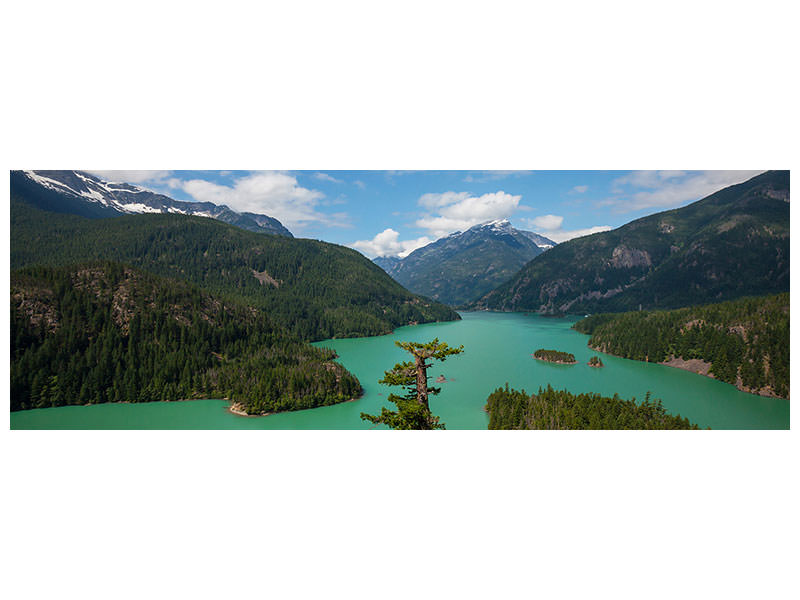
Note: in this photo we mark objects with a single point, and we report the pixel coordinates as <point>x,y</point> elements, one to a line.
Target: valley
<point>498,348</point>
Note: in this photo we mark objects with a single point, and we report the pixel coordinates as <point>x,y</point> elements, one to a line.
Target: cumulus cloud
<point>551,226</point>
<point>548,222</point>
<point>132,176</point>
<point>669,189</point>
<point>271,193</point>
<point>457,211</point>
<point>388,243</point>
<point>580,189</point>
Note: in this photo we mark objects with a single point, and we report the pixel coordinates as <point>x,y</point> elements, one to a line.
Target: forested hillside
<point>104,332</point>
<point>560,409</point>
<point>315,289</point>
<point>731,244</point>
<point>743,342</point>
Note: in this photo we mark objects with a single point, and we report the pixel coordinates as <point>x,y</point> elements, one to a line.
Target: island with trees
<point>596,362</point>
<point>554,356</point>
<point>560,409</point>
<point>743,342</point>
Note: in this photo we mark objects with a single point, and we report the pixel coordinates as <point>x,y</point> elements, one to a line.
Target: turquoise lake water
<point>498,348</point>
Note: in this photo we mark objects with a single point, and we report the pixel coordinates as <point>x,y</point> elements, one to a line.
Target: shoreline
<point>556,362</point>
<point>234,408</point>
<point>701,367</point>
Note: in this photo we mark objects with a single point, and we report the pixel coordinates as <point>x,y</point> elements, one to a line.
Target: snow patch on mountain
<point>93,195</point>
<point>50,183</point>
<point>138,208</point>
<point>125,198</point>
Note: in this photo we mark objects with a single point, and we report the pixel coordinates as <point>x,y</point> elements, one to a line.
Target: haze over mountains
<point>80,193</point>
<point>732,243</point>
<point>466,264</point>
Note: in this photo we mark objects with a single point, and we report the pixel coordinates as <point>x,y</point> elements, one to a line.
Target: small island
<point>596,362</point>
<point>554,356</point>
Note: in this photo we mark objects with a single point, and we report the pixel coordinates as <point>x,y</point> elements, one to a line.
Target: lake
<point>498,348</point>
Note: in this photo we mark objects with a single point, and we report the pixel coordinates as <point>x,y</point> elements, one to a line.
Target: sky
<point>391,213</point>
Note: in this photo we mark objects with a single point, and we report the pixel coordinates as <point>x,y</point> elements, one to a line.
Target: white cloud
<point>271,193</point>
<point>360,184</point>
<point>328,178</point>
<point>457,211</point>
<point>550,226</point>
<point>563,235</point>
<point>132,176</point>
<point>548,222</point>
<point>580,189</point>
<point>670,189</point>
<point>387,243</point>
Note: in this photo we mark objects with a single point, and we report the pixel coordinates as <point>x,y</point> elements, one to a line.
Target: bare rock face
<point>778,194</point>
<point>624,258</point>
<point>265,278</point>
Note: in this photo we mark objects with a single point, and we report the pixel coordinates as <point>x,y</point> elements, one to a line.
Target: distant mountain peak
<point>496,224</point>
<point>456,268</point>
<point>82,193</point>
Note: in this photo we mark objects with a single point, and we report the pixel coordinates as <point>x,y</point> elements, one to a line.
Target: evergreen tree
<point>745,341</point>
<point>103,332</point>
<point>413,410</point>
<point>560,409</point>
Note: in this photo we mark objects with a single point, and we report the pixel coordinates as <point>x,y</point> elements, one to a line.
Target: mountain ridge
<point>79,192</point>
<point>317,290</point>
<point>730,244</point>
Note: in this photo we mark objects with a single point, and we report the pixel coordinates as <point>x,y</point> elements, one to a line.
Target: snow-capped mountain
<point>81,193</point>
<point>503,226</point>
<point>466,264</point>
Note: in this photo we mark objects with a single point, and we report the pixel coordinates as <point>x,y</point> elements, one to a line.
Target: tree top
<point>433,349</point>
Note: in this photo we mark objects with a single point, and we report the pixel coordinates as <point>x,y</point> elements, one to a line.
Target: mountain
<point>465,265</point>
<point>104,332</point>
<point>730,244</point>
<point>80,193</point>
<point>388,263</point>
<point>314,289</point>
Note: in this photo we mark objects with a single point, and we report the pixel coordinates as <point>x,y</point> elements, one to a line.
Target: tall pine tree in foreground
<point>413,410</point>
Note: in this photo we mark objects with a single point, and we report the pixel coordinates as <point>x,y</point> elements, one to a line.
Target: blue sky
<point>393,212</point>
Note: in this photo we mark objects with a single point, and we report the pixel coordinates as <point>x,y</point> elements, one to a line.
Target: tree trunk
<point>422,381</point>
